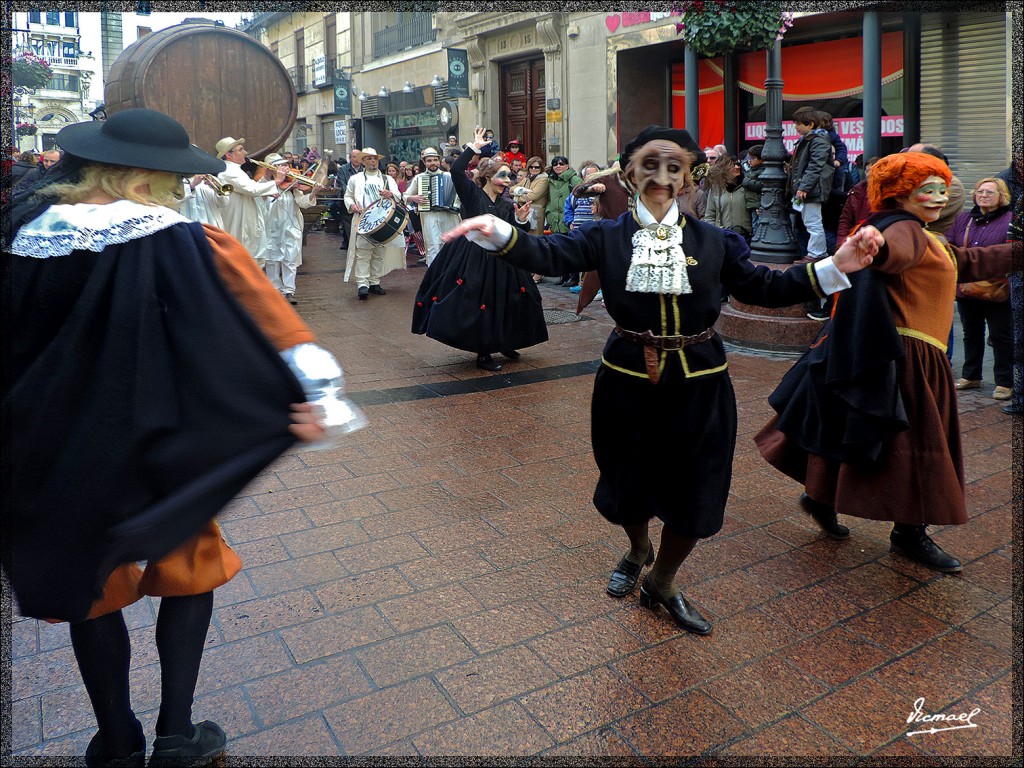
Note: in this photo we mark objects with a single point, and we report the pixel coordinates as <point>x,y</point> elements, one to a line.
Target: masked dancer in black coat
<point>663,412</point>
<point>471,302</point>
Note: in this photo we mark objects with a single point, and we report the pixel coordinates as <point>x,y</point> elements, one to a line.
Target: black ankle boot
<point>825,517</point>
<point>912,542</point>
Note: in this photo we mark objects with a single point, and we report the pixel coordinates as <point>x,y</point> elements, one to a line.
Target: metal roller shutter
<point>964,95</point>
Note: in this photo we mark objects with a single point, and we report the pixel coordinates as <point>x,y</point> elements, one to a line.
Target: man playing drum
<point>434,196</point>
<point>368,259</point>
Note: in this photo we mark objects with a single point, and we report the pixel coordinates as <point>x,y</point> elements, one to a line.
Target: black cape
<point>841,399</point>
<point>139,398</point>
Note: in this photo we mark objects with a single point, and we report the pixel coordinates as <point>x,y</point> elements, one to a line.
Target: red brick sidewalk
<point>436,585</point>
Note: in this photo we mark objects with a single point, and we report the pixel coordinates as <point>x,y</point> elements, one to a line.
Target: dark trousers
<point>974,314</point>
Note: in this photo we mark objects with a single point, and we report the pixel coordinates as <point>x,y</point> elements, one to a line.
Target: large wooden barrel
<point>215,81</point>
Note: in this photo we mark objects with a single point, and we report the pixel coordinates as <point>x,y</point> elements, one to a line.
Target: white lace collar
<point>62,229</point>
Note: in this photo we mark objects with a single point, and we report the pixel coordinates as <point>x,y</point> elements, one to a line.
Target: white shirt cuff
<point>496,241</point>
<point>829,277</point>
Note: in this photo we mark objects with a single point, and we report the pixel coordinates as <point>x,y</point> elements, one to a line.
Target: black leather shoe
<point>825,517</point>
<point>363,292</point>
<point>561,281</point>
<point>291,298</point>
<point>912,542</point>
<point>626,575</point>
<point>207,742</point>
<point>487,363</point>
<point>95,754</point>
<point>684,614</point>
<point>511,354</point>
<point>1012,409</point>
<point>378,291</point>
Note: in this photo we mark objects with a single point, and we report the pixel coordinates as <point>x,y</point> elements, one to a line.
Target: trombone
<point>218,187</point>
<point>295,176</point>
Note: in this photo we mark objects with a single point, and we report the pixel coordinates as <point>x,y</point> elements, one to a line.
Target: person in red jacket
<point>857,207</point>
<point>514,151</point>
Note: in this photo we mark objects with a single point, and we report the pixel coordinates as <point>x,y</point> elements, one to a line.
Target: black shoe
<point>818,314</point>
<point>572,283</point>
<point>378,291</point>
<point>912,542</point>
<point>207,742</point>
<point>684,614</point>
<point>291,298</point>
<point>487,363</point>
<point>626,575</point>
<point>561,281</point>
<point>1012,409</point>
<point>825,517</point>
<point>511,354</point>
<point>94,753</point>
<point>363,292</point>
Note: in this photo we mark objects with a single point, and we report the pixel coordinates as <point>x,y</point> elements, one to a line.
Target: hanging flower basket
<point>26,129</point>
<point>30,71</point>
<point>715,27</point>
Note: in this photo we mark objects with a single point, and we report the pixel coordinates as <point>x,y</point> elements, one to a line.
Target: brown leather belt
<point>651,343</point>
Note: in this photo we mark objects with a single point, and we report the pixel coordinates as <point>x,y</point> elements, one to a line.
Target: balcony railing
<point>399,37</point>
<point>297,74</point>
<point>58,61</point>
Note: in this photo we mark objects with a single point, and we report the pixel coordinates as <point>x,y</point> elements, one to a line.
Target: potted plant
<point>30,71</point>
<point>715,27</point>
<point>26,129</point>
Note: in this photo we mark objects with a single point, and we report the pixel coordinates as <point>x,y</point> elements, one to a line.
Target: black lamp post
<point>773,240</point>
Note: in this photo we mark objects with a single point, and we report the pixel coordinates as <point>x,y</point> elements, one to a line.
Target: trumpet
<point>295,176</point>
<point>218,187</point>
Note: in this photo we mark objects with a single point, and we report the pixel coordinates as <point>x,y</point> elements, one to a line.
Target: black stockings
<point>103,651</point>
<point>639,542</point>
<point>673,550</point>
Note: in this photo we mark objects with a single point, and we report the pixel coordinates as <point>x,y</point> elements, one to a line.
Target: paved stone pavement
<point>435,586</point>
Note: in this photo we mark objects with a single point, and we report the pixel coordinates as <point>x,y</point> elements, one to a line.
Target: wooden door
<point>522,105</point>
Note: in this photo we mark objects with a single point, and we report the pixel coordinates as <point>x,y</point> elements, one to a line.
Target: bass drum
<point>382,221</point>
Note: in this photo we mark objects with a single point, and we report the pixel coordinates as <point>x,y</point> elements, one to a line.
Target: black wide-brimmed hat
<point>138,138</point>
<point>675,135</point>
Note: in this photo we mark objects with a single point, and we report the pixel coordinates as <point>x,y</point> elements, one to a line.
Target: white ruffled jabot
<point>62,229</point>
<point>658,264</point>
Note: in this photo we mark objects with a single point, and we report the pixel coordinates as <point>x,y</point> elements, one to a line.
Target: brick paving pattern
<point>435,586</point>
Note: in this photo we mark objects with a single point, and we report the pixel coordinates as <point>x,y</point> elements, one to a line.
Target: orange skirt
<point>200,564</point>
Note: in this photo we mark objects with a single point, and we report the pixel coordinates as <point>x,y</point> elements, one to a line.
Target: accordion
<point>439,190</point>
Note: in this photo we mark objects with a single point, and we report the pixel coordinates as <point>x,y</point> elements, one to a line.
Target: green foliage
<point>714,27</point>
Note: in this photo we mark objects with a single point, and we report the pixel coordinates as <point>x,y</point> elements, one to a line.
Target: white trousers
<point>435,224</point>
<point>816,248</point>
<point>369,262</point>
<point>282,275</point>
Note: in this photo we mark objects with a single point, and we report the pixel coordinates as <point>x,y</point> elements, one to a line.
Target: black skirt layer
<point>664,450</point>
<point>470,300</point>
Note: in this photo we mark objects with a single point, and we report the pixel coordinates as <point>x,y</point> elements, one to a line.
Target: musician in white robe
<point>434,196</point>
<point>243,216</point>
<point>368,259</point>
<point>284,230</point>
<point>202,203</point>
